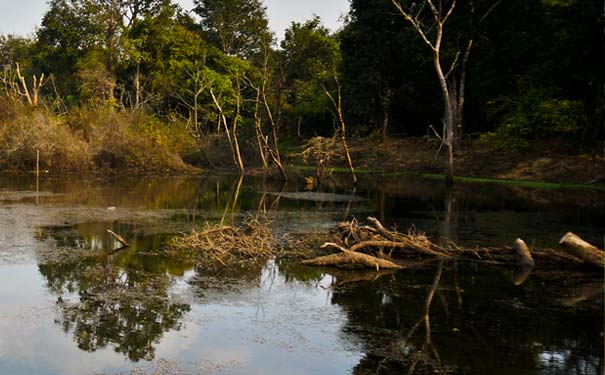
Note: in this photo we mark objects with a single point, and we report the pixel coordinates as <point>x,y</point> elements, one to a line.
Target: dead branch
<point>250,243</point>
<point>118,238</point>
<point>380,243</point>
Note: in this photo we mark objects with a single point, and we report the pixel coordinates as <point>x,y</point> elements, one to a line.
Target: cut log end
<point>523,253</point>
<point>579,248</point>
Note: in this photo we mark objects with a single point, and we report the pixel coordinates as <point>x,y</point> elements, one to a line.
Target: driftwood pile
<point>252,242</point>
<point>374,246</point>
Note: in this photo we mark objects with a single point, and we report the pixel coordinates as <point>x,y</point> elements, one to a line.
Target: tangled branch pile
<point>253,242</point>
<point>374,245</point>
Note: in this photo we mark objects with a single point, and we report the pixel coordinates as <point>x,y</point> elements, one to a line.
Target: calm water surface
<point>69,305</point>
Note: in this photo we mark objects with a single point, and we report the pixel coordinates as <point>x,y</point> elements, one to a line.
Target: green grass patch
<point>479,180</point>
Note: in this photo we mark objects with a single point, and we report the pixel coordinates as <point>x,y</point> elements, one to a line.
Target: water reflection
<point>128,310</point>
<point>113,298</point>
<point>410,324</point>
<point>281,316</point>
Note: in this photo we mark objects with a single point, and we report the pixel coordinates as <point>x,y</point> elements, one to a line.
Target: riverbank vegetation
<point>148,87</point>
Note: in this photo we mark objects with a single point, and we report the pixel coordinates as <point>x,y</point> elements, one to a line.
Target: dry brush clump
<point>27,133</point>
<point>88,139</point>
<point>251,243</point>
<point>126,140</point>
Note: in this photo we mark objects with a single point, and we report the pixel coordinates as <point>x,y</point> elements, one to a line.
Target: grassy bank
<point>548,165</point>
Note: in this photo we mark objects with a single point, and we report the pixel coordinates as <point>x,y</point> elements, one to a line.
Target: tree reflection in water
<point>474,321</point>
<point>115,299</point>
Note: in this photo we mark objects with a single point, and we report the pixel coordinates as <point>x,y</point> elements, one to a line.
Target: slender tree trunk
<point>448,113</point>
<point>137,88</point>
<point>273,151</point>
<point>440,16</point>
<point>385,124</point>
<point>343,126</point>
<point>238,155</point>
<point>223,120</point>
<point>25,91</point>
<point>460,95</point>
<point>262,151</point>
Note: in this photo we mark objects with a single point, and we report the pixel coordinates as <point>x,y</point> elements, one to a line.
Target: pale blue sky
<point>22,16</point>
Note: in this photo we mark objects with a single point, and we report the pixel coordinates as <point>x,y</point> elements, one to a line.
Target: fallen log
<point>403,244</point>
<point>579,248</point>
<point>351,259</point>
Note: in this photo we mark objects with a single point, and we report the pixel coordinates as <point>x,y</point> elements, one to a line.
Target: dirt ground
<point>549,161</point>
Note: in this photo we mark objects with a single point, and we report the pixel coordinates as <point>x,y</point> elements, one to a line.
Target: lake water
<point>70,305</point>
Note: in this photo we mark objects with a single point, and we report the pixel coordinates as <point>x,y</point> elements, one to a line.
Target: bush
<point>31,131</point>
<point>89,139</point>
<point>537,115</point>
<point>127,140</point>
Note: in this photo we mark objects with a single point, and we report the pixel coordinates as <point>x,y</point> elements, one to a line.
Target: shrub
<point>89,139</point>
<point>30,131</point>
<point>537,115</point>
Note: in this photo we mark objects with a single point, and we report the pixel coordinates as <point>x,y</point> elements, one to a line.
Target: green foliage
<point>386,64</point>
<point>149,67</point>
<point>537,115</point>
<point>310,61</point>
<point>236,27</point>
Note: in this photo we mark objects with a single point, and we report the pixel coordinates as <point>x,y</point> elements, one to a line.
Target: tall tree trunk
<point>273,151</point>
<point>440,15</point>
<point>260,136</point>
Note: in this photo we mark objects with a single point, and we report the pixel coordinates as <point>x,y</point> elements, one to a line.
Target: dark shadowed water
<point>69,304</point>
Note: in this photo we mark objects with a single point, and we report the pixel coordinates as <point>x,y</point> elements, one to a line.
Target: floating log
<point>525,258</point>
<point>118,238</point>
<point>582,249</point>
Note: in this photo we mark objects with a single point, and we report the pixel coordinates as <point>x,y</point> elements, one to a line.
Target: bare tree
<point>265,147</point>
<point>231,132</point>
<point>452,81</point>
<point>432,35</point>
<point>200,83</point>
<point>32,98</point>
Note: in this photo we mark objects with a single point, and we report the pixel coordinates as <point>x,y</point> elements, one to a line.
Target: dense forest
<point>144,84</point>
